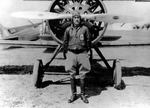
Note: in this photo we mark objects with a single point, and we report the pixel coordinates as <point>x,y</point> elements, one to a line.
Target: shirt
<point>77,38</point>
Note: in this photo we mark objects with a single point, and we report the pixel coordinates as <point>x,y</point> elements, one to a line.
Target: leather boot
<point>82,86</point>
<point>73,90</point>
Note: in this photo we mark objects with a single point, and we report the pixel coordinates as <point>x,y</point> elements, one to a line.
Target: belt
<point>77,51</point>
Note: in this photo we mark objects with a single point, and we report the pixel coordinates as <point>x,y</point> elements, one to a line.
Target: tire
<point>38,73</point>
<point>117,74</point>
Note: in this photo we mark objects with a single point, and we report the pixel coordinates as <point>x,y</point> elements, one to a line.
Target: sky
<point>141,9</point>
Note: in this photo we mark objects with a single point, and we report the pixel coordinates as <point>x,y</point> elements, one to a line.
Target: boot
<point>73,90</point>
<point>82,86</point>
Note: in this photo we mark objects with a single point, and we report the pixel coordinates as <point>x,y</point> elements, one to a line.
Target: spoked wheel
<point>57,27</point>
<point>38,73</point>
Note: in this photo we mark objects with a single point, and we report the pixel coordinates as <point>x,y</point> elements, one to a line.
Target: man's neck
<point>76,26</point>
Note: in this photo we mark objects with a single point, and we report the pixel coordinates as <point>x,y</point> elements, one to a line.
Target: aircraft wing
<point>108,41</point>
<point>110,38</point>
<point>123,44</point>
<point>28,32</point>
<point>49,43</point>
<point>31,44</point>
<point>13,30</point>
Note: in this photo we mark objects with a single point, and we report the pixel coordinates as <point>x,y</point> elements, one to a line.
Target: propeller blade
<point>110,18</point>
<point>40,15</point>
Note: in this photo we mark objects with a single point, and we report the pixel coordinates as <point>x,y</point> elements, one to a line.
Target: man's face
<point>76,20</point>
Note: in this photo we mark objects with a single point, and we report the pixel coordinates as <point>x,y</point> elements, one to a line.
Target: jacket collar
<point>72,26</point>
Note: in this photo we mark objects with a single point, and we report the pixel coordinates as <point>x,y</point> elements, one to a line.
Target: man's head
<point>76,18</point>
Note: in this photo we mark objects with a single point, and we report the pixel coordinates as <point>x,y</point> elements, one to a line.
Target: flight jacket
<point>77,39</point>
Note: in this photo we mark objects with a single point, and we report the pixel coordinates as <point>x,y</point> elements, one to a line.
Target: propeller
<point>40,15</point>
<point>108,18</point>
<point>112,18</point>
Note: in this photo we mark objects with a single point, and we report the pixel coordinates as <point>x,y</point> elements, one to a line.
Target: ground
<point>17,90</point>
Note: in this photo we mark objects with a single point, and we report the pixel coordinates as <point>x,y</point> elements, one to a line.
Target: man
<point>77,43</point>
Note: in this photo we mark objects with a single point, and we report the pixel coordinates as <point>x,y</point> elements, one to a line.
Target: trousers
<point>77,63</point>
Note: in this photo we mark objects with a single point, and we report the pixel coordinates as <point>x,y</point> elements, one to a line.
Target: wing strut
<point>57,50</point>
<point>102,57</point>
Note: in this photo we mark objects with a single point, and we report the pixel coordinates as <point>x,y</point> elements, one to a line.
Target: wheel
<point>117,74</point>
<point>57,27</point>
<point>38,73</point>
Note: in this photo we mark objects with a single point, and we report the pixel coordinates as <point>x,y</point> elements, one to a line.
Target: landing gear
<point>117,74</point>
<point>57,28</point>
<point>38,73</point>
<point>115,69</point>
<point>39,69</point>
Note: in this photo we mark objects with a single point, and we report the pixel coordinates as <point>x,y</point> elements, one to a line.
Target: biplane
<point>58,18</point>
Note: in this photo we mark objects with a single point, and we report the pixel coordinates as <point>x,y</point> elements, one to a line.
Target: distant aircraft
<point>27,32</point>
<point>58,18</point>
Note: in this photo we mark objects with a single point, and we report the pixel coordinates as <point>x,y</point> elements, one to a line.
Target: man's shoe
<point>72,98</point>
<point>84,99</point>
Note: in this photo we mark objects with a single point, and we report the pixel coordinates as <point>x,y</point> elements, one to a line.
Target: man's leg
<point>82,86</point>
<point>84,69</point>
<point>73,90</point>
<point>70,67</point>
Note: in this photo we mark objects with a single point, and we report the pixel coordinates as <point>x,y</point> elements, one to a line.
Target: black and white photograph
<point>75,54</point>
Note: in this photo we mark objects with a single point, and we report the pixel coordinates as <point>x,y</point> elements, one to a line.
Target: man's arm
<point>88,36</point>
<point>65,43</point>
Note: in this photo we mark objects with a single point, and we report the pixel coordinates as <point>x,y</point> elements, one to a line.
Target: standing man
<point>77,43</point>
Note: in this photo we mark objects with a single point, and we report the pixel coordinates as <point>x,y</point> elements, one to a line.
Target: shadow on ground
<point>96,69</point>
